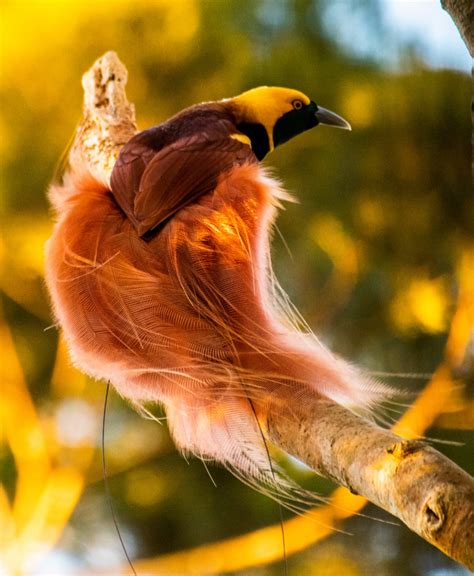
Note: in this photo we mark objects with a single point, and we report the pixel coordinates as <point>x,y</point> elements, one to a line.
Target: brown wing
<point>182,172</point>
<point>151,190</point>
<point>129,168</point>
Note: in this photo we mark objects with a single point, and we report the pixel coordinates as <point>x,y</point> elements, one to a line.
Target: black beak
<point>331,119</point>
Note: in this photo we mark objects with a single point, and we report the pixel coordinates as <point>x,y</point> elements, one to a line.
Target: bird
<point>161,281</point>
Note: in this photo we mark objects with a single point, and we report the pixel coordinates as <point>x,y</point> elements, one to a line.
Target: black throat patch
<point>293,123</point>
<point>258,137</point>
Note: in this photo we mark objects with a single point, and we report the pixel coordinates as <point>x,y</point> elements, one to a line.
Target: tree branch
<point>462,13</point>
<point>411,480</point>
<point>109,119</point>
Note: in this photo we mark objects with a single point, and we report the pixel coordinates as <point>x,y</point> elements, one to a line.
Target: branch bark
<point>109,118</point>
<point>462,13</point>
<point>409,479</point>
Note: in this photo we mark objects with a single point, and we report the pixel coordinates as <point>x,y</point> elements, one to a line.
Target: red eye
<point>297,104</point>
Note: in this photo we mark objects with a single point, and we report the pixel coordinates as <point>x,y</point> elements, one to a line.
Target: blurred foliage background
<point>379,263</point>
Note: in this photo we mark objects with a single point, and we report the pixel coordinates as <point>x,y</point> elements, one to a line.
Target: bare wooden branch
<point>411,480</point>
<point>462,12</point>
<point>109,119</point>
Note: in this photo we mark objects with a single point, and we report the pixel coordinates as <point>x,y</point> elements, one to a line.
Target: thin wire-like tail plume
<point>106,481</point>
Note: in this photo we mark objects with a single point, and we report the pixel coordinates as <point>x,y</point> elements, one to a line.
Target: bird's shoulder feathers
<point>163,169</point>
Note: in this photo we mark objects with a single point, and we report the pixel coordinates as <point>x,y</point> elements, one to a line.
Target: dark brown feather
<point>201,123</point>
<point>181,173</point>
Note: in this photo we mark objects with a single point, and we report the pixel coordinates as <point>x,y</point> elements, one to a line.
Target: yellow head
<point>271,115</point>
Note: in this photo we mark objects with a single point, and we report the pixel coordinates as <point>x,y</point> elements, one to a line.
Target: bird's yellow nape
<point>265,105</point>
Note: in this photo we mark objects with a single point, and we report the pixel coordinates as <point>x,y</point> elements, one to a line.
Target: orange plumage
<point>162,282</point>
